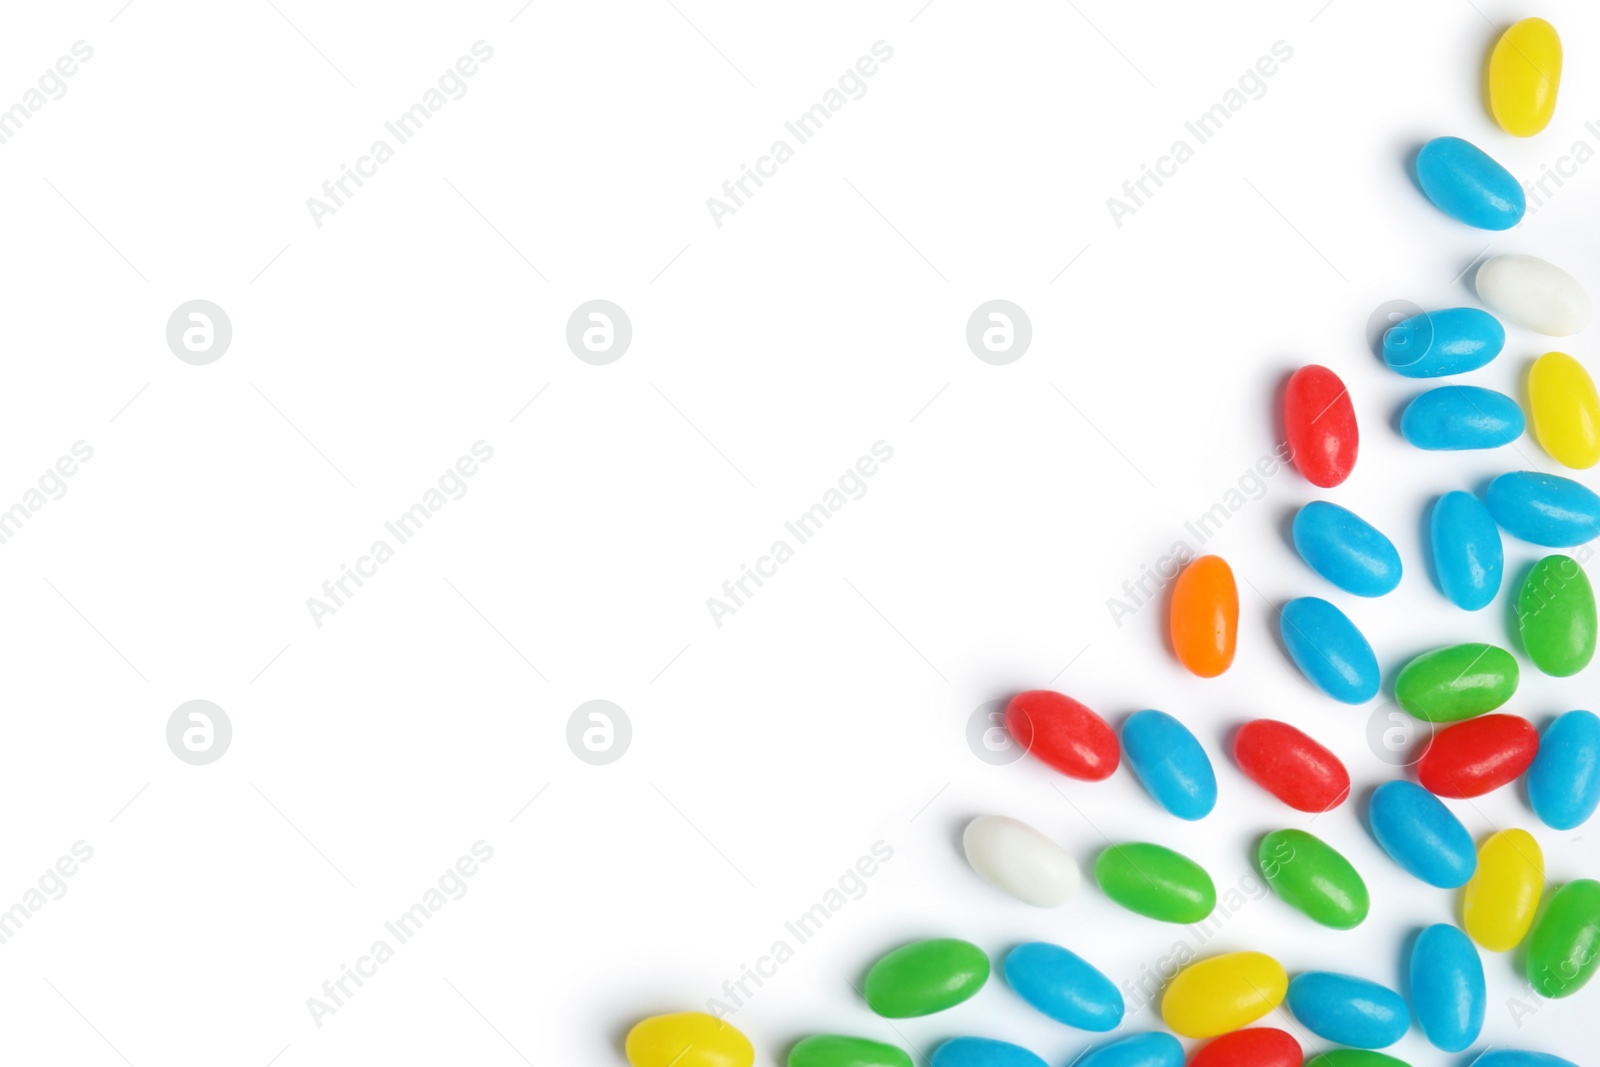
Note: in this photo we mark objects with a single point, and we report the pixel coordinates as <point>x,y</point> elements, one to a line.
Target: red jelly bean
<point>1475,757</point>
<point>1258,1047</point>
<point>1290,765</point>
<point>1063,733</point>
<point>1320,423</point>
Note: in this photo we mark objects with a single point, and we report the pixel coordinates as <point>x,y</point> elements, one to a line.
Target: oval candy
<point>1170,764</point>
<point>1565,409</point>
<point>1320,424</point>
<point>1467,554</point>
<point>924,977</point>
<point>1512,1057</point>
<point>1354,1057</point>
<point>1564,780</point>
<point>1156,882</point>
<point>1465,183</point>
<point>1063,733</point>
<point>1153,1049</point>
<point>1556,616</point>
<point>1291,765</point>
<point>1223,993</point>
<point>1259,1047</point>
<point>1348,1010</point>
<point>1477,756</point>
<point>1346,549</point>
<point>687,1039</point>
<point>1013,856</point>
<point>1458,682</point>
<point>1064,986</point>
<point>1422,835</point>
<point>1534,294</point>
<point>1204,617</point>
<point>1312,877</point>
<point>1564,948</point>
<point>1544,509</point>
<point>1447,987</point>
<point>983,1052</point>
<point>1525,76</point>
<point>1460,418</point>
<point>1433,344</point>
<point>834,1050</point>
<point>1329,650</point>
<point>1500,901</point>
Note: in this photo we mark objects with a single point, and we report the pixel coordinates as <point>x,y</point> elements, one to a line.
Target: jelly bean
<point>1353,1057</point>
<point>1290,765</point>
<point>983,1052</point>
<point>1436,343</point>
<point>1566,410</point>
<point>1460,418</point>
<point>1511,1057</point>
<point>1447,987</point>
<point>1064,986</point>
<point>1310,876</point>
<point>1156,882</point>
<point>1153,1049</point>
<point>1466,184</point>
<point>1422,835</point>
<point>1329,650</point>
<point>1170,763</point>
<point>1534,293</point>
<point>1544,509</point>
<point>1478,756</point>
<point>831,1050</point>
<point>1499,903</point>
<point>1349,1010</point>
<point>1320,424</point>
<point>1345,549</point>
<point>1556,616</point>
<point>1524,77</point>
<point>924,977</point>
<point>1223,993</point>
<point>1205,616</point>
<point>687,1039</point>
<point>1564,948</point>
<point>1458,682</point>
<point>1011,855</point>
<point>1063,733</point>
<point>1564,780</point>
<point>1261,1047</point>
<point>1467,554</point>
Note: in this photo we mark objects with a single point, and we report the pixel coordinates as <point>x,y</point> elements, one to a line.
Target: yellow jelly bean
<point>1502,896</point>
<point>1524,75</point>
<point>688,1039</point>
<point>1566,410</point>
<point>1223,993</point>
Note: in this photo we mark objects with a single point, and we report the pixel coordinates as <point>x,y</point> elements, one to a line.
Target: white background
<point>827,314</point>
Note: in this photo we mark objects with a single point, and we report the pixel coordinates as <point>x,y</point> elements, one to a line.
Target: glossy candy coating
<point>1064,986</point>
<point>1512,1057</point>
<point>1556,616</point>
<point>1329,650</point>
<point>1259,1047</point>
<point>687,1039</point>
<point>1436,343</point>
<point>1565,409</point>
<point>1170,763</point>
<point>1458,682</point>
<point>1156,882</point>
<point>1502,897</point>
<point>1467,554</point>
<point>983,1052</point>
<point>1013,856</point>
<point>1290,765</point>
<point>1465,183</point>
<point>833,1050</point>
<point>1460,418</point>
<point>1349,1010</point>
<point>1223,993</point>
<point>1447,987</point>
<point>1063,733</point>
<point>1312,877</point>
<point>1354,1057</point>
<point>1422,835</point>
<point>1564,780</point>
<point>1320,424</point>
<point>1346,549</point>
<point>1204,617</point>
<point>924,977</point>
<point>1564,947</point>
<point>1525,76</point>
<point>1477,756</point>
<point>1544,509</point>
<point>1153,1049</point>
<point>1534,293</point>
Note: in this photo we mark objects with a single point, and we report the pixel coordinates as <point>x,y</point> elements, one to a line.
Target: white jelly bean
<point>1535,294</point>
<point>1013,856</point>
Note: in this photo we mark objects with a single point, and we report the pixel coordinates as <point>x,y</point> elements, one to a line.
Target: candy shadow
<point>1408,945</point>
<point>1280,431</point>
<point>1513,623</point>
<point>1411,169</point>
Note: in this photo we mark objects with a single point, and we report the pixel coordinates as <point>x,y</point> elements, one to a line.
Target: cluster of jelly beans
<point>1457,687</point>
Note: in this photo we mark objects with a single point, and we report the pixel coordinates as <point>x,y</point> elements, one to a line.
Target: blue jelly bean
<point>1346,549</point>
<point>1152,1049</point>
<point>1564,780</point>
<point>1348,1010</point>
<point>983,1052</point>
<point>1455,418</point>
<point>1170,763</point>
<point>1512,1057</point>
<point>1436,343</point>
<point>1467,554</point>
<point>1329,650</point>
<point>1544,509</point>
<point>1447,987</point>
<point>1466,184</point>
<point>1422,835</point>
<point>1064,986</point>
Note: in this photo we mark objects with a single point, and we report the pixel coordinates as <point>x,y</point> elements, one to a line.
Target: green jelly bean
<point>1311,876</point>
<point>1353,1057</point>
<point>1156,882</point>
<point>1564,948</point>
<point>1555,613</point>
<point>1459,682</point>
<point>832,1050</point>
<point>924,977</point>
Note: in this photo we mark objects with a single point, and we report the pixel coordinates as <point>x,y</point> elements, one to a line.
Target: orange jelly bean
<point>1205,616</point>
